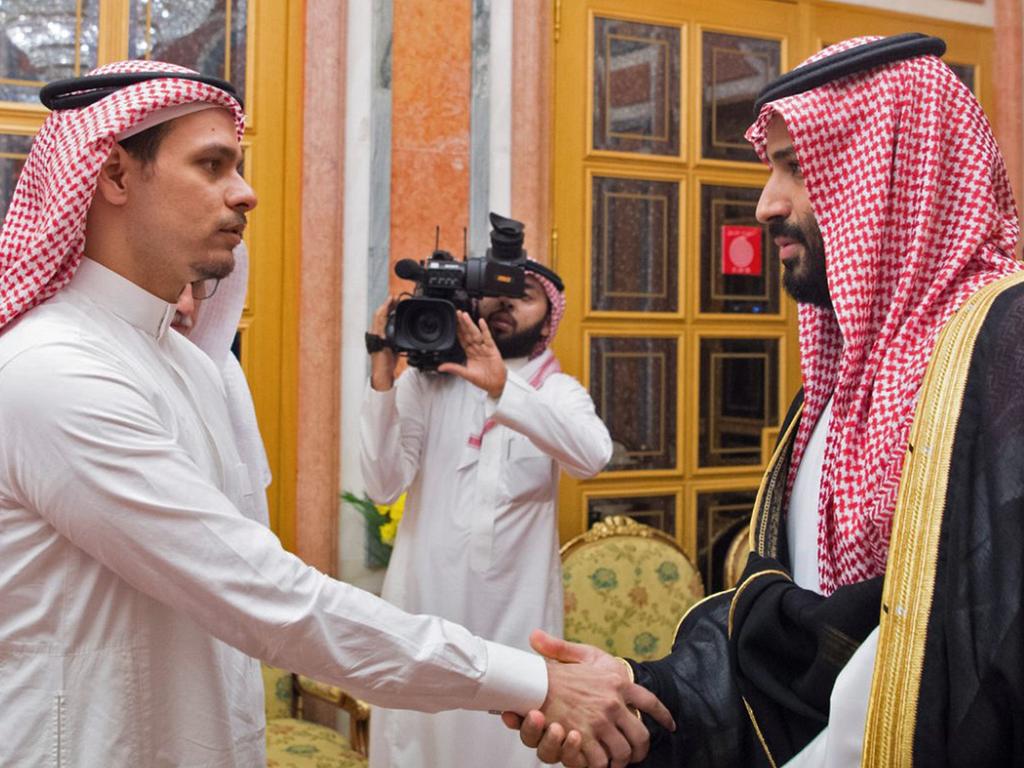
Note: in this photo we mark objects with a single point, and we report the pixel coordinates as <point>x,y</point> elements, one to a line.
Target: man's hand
<point>553,744</point>
<point>382,362</point>
<point>484,367</point>
<point>588,707</point>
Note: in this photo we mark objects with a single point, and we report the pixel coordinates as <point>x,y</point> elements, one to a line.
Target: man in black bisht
<point>878,621</point>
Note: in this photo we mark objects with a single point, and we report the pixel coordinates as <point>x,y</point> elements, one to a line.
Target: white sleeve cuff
<point>515,680</point>
<point>375,396</point>
<point>379,406</point>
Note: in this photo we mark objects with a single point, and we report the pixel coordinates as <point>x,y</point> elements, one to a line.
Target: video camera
<point>423,326</point>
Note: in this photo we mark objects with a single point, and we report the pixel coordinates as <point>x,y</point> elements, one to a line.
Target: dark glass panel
<point>635,251</point>
<point>47,41</point>
<point>13,151</point>
<point>656,511</point>
<point>734,69</point>
<point>634,384</point>
<point>721,515</point>
<point>739,396</point>
<point>208,36</point>
<point>636,87</point>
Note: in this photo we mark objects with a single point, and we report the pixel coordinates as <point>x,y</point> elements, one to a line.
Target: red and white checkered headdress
<point>43,234</point>
<point>912,198</point>
<point>556,302</point>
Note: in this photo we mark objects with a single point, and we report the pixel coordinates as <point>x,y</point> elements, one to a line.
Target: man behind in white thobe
<point>137,591</point>
<point>478,449</point>
<point>213,331</point>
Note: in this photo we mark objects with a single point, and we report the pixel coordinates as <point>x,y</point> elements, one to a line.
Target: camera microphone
<point>408,269</point>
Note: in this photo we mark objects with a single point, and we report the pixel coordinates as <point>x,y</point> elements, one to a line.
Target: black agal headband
<point>546,272</point>
<point>78,92</point>
<point>849,62</point>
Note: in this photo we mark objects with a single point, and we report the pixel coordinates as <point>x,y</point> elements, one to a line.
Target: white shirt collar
<point>120,296</point>
<point>516,364</point>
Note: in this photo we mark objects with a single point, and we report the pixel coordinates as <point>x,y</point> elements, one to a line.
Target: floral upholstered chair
<point>296,743</point>
<point>736,557</point>
<point>627,586</point>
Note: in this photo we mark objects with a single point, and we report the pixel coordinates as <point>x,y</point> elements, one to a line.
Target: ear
<point>112,184</point>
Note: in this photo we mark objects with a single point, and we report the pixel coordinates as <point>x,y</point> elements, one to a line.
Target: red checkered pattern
<point>557,301</point>
<point>43,234</point>
<point>912,198</point>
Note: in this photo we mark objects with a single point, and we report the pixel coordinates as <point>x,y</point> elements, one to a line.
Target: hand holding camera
<point>425,326</point>
<point>382,359</point>
<point>484,367</point>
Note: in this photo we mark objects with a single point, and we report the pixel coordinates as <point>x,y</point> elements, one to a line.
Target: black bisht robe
<point>751,669</point>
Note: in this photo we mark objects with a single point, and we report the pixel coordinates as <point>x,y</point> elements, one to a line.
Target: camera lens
<point>426,325</point>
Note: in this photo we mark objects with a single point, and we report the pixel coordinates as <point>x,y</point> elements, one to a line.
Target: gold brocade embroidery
<point>763,509</point>
<point>914,542</point>
<point>769,483</point>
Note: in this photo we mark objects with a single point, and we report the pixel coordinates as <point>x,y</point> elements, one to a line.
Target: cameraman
<point>478,451</point>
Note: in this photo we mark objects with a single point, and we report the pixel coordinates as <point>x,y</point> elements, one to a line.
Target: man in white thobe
<point>137,589</point>
<point>478,450</point>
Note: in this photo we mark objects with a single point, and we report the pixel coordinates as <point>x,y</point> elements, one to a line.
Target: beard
<point>804,277</point>
<point>211,268</point>
<point>520,343</point>
<point>217,267</point>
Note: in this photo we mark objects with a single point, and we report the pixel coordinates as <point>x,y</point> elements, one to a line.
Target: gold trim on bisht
<point>914,542</point>
<point>773,482</point>
<point>732,610</point>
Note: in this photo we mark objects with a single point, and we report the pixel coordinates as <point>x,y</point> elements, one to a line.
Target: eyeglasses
<point>204,289</point>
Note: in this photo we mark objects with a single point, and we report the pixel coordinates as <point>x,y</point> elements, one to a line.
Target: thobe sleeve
<point>87,451</point>
<point>559,418</point>
<point>391,429</point>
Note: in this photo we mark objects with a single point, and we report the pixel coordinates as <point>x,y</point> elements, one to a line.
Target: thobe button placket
<point>488,471</point>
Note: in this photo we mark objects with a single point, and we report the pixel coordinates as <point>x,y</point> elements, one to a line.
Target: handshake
<point>591,716</point>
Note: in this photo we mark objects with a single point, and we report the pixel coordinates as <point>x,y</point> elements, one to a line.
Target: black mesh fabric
<point>971,700</point>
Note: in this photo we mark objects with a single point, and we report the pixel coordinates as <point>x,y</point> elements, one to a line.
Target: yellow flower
<point>393,511</point>
<point>388,531</point>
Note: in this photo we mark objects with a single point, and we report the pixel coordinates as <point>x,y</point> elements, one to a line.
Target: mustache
<point>782,228</point>
<point>237,221</point>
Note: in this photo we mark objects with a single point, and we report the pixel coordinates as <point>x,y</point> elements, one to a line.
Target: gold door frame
<point>798,26</point>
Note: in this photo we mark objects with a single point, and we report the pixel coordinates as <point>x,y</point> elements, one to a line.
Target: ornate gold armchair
<point>626,587</point>
<point>736,557</point>
<point>296,743</point>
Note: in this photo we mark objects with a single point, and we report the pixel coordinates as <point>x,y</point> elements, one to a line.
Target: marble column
<point>532,120</point>
<point>319,311</point>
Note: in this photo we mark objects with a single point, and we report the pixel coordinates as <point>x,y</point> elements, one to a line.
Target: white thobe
<point>134,594</point>
<point>478,540</point>
<point>840,743</point>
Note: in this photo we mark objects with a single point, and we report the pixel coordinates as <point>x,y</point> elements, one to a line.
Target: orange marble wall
<point>531,130</point>
<point>431,78</point>
<point>1009,84</point>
